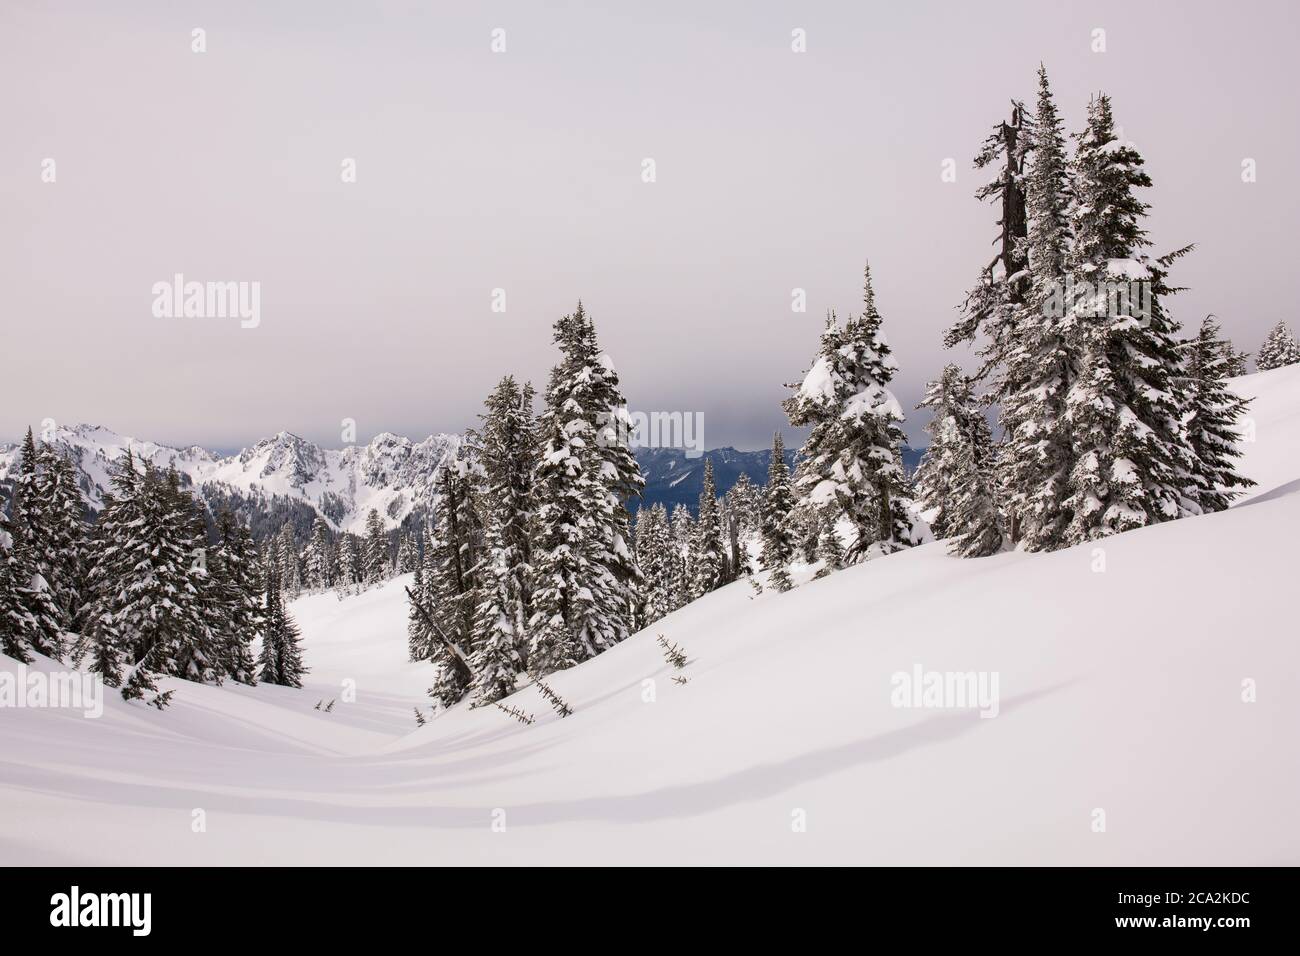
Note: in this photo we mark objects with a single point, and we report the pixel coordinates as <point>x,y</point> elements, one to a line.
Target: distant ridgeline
<point>672,479</point>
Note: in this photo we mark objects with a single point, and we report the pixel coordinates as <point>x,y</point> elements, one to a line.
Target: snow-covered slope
<point>1120,671</point>
<point>391,474</point>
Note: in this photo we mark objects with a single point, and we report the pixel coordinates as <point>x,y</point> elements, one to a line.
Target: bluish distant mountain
<point>672,479</point>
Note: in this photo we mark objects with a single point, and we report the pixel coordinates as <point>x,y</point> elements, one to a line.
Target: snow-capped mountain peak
<point>390,474</point>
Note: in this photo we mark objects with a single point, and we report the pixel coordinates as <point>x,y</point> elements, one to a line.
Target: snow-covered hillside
<point>1121,673</point>
<point>390,474</point>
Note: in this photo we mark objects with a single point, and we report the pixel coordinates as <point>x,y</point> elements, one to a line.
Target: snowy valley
<point>1122,689</point>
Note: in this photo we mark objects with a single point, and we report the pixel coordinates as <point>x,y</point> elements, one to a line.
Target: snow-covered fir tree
<point>1133,463</point>
<point>237,588</point>
<point>745,502</point>
<point>16,624</point>
<point>1279,349</point>
<point>195,653</point>
<point>852,457</point>
<point>1215,414</point>
<point>587,577</point>
<point>36,556</point>
<point>660,562</point>
<point>280,660</point>
<point>956,479</point>
<point>1037,458</point>
<point>680,532</point>
<point>830,550</point>
<point>290,565</point>
<point>319,556</point>
<point>506,451</point>
<point>706,545</point>
<point>376,561</point>
<point>1235,361</point>
<point>110,556</point>
<point>152,604</point>
<point>63,559</point>
<point>777,506</point>
<point>417,631</point>
<point>949,399</point>
<point>407,557</point>
<point>620,476</point>
<point>453,577</point>
<point>348,563</point>
<point>974,522</point>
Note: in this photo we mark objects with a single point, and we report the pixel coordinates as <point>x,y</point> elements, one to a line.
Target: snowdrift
<point>1125,670</point>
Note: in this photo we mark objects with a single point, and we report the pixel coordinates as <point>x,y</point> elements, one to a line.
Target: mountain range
<point>287,478</point>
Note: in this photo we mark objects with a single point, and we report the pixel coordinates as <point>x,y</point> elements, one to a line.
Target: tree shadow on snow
<point>680,800</point>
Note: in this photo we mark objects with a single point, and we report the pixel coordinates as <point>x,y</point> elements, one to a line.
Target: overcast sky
<point>522,171</point>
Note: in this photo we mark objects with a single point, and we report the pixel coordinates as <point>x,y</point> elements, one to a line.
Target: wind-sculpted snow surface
<point>1147,709</point>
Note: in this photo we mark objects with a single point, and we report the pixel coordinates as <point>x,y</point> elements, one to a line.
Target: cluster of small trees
<point>145,590</point>
<point>683,558</point>
<point>344,560</point>
<point>1109,420</point>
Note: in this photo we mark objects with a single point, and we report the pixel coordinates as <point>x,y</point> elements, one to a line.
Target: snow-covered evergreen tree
<point>956,479</point>
<point>680,531</point>
<point>417,631</point>
<point>453,578</point>
<point>1215,411</point>
<point>318,558</point>
<point>290,565</point>
<point>280,660</point>
<point>110,564</point>
<point>1133,463</point>
<point>152,609</point>
<point>1040,364</point>
<point>16,625</point>
<point>406,555</point>
<point>852,457</point>
<point>1234,360</point>
<point>974,522</point>
<point>587,578</point>
<point>830,550</point>
<point>778,504</point>
<point>66,535</point>
<point>950,401</point>
<point>706,545</point>
<point>348,567</point>
<point>1279,349</point>
<point>745,501</point>
<point>237,587</point>
<point>36,556</point>
<point>190,647</point>
<point>505,449</point>
<point>656,554</point>
<point>376,559</point>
